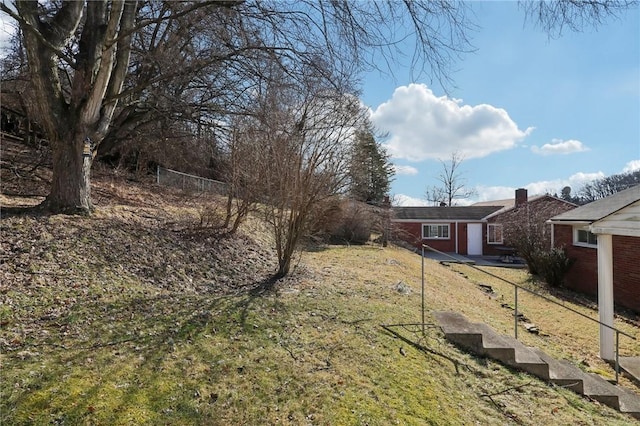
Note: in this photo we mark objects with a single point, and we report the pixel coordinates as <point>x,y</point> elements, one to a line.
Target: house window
<point>583,237</point>
<point>435,231</point>
<point>494,233</point>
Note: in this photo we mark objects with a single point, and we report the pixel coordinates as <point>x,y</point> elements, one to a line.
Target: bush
<point>552,265</point>
<point>353,230</point>
<point>342,221</point>
<point>354,224</point>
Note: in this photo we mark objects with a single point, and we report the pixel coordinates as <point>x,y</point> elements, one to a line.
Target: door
<point>474,239</point>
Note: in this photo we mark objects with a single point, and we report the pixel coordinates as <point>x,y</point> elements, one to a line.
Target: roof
<point>509,203</point>
<point>625,221</point>
<point>459,213</point>
<point>601,208</point>
<point>530,201</point>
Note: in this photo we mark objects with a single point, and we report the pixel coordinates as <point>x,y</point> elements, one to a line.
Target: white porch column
<point>605,295</point>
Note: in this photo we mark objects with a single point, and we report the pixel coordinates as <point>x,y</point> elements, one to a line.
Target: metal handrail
<point>548,299</point>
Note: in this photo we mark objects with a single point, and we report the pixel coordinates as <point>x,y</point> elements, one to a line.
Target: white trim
<point>448,225</point>
<point>625,222</point>
<point>439,220</point>
<point>575,230</point>
<point>585,245</point>
<point>501,234</point>
<point>600,230</point>
<point>571,222</point>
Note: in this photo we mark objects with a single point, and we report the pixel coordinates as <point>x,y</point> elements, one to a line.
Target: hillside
<point>137,315</point>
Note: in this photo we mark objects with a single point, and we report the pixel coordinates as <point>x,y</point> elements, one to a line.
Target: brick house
<point>476,229</point>
<point>522,215</point>
<point>456,229</point>
<point>603,239</point>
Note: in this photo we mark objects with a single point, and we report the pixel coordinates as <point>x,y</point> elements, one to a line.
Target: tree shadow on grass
<point>107,361</point>
<point>30,211</point>
<point>110,320</point>
<point>419,343</point>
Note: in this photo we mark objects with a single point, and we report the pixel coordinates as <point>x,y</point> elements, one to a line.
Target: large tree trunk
<point>70,185</point>
<point>82,109</point>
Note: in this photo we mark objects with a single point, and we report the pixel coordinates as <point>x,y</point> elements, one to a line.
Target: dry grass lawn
<point>136,316</point>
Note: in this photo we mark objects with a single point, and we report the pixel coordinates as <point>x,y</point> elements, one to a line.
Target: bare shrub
<point>552,265</point>
<point>354,223</point>
<point>211,216</point>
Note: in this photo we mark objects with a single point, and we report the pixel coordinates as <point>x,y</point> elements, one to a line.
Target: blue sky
<point>525,110</point>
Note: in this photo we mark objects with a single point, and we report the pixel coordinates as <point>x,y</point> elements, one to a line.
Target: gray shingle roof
<point>508,203</point>
<point>462,213</point>
<point>599,209</point>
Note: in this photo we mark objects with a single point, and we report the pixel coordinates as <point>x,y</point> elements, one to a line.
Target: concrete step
<point>483,340</point>
<point>563,373</point>
<point>512,352</point>
<point>460,331</point>
<point>629,402</point>
<point>597,388</point>
<point>630,365</point>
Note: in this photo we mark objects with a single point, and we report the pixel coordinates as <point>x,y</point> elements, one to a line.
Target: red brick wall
<point>583,275</point>
<point>462,238</point>
<point>626,271</point>
<point>411,232</point>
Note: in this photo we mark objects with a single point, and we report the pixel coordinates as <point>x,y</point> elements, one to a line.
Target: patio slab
<point>473,260</point>
<point>631,365</point>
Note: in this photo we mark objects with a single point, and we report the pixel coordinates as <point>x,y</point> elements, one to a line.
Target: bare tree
<point>98,69</point>
<point>304,130</point>
<point>78,55</point>
<point>576,15</point>
<point>244,180</point>
<point>526,228</point>
<point>453,184</point>
<point>609,185</point>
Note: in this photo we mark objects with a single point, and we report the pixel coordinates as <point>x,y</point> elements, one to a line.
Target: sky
<point>524,111</point>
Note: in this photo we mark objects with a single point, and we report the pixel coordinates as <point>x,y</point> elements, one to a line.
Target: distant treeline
<point>601,188</point>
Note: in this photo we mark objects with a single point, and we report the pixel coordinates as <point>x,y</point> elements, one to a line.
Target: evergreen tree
<point>370,170</point>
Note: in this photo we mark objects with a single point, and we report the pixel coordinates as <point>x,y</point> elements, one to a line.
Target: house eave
<point>571,222</point>
<point>625,232</point>
<point>439,220</point>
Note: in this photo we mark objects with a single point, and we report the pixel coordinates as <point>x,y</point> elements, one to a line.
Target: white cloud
<point>575,181</point>
<point>405,170</point>
<point>422,125</point>
<point>407,201</point>
<point>631,166</point>
<point>558,146</point>
<point>491,193</point>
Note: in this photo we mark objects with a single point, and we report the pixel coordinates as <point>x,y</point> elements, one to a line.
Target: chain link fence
<point>187,182</point>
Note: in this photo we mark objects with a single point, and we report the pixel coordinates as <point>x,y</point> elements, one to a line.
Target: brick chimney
<point>521,197</point>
